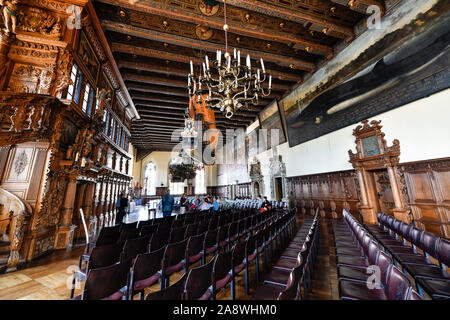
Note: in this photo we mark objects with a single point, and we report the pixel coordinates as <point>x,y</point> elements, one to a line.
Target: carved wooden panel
<point>331,192</point>
<point>428,186</point>
<point>38,170</point>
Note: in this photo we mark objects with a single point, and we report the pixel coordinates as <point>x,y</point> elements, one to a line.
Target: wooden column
<point>399,211</point>
<point>64,235</point>
<point>105,202</point>
<point>87,205</point>
<point>368,212</point>
<point>5,44</point>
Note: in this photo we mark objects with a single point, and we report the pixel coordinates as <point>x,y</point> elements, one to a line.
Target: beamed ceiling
<point>153,42</point>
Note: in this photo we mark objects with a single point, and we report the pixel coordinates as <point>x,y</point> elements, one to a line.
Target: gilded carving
<point>63,69</point>
<point>10,14</point>
<point>42,22</point>
<point>21,162</point>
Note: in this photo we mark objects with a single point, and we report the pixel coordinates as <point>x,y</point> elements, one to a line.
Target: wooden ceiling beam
<point>180,83</point>
<point>158,98</point>
<point>219,117</point>
<point>163,90</point>
<point>154,67</point>
<point>181,112</point>
<point>205,45</point>
<point>361,5</point>
<point>181,92</point>
<point>297,15</point>
<point>246,29</point>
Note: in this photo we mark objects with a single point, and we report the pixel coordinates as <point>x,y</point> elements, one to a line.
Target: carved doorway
<point>379,191</point>
<point>375,164</point>
<point>256,189</point>
<point>278,189</point>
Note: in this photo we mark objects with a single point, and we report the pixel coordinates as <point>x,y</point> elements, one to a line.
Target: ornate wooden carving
<point>373,153</point>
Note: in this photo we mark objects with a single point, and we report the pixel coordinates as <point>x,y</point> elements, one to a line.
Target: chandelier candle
<point>230,86</point>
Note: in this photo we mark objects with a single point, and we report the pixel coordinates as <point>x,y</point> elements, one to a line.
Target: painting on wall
<point>87,56</point>
<point>401,77</point>
<point>270,119</point>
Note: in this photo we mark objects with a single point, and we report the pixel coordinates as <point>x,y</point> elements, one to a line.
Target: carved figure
<point>9,13</point>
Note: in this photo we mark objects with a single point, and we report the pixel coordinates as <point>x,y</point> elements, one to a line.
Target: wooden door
<point>384,191</point>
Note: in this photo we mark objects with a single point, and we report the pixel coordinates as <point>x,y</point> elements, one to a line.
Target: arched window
<point>150,179</point>
<point>176,187</point>
<point>200,186</point>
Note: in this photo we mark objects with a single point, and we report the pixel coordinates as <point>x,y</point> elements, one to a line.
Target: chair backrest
<point>175,253</point>
<point>398,285</point>
<point>158,240</point>
<point>222,268</point>
<point>203,226</point>
<point>125,226</point>
<point>133,247</point>
<point>238,254</point>
<point>233,230</point>
<point>173,292</point>
<point>428,243</point>
<point>414,235</point>
<point>413,295</point>
<point>195,245</point>
<point>223,233</point>
<point>210,238</point>
<point>104,256</point>
<point>147,264</point>
<point>250,245</point>
<point>404,229</point>
<point>444,251</point>
<point>191,230</point>
<point>383,262</point>
<point>292,287</point>
<point>372,252</point>
<point>176,235</point>
<point>105,283</point>
<point>108,235</point>
<point>126,234</point>
<point>198,282</point>
<point>148,230</point>
<point>144,223</point>
<point>177,223</point>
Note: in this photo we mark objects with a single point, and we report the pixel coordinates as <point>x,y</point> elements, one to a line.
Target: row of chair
<point>293,270</point>
<point>205,281</point>
<point>364,271</point>
<point>190,250</point>
<point>403,242</point>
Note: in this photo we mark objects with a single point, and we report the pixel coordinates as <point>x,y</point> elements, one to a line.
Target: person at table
<point>167,204</point>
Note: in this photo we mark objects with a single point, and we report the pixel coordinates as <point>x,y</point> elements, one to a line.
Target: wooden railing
<point>14,215</point>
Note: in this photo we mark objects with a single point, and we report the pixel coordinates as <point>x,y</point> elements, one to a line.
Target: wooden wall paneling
<point>331,192</point>
<point>428,188</point>
<point>38,170</point>
<point>4,151</point>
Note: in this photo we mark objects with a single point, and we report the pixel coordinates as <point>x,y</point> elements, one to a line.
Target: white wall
<point>161,160</point>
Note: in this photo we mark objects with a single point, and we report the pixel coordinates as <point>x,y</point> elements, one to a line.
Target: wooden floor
<point>49,278</point>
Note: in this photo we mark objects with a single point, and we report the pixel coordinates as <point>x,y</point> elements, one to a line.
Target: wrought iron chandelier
<point>227,84</point>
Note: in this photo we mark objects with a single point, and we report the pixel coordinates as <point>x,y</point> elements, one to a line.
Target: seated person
<point>265,205</point>
<point>215,204</point>
<point>205,205</point>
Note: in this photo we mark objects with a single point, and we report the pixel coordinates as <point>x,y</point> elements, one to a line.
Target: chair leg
<point>232,288</point>
<point>257,267</point>
<point>246,279</point>
<point>72,290</point>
